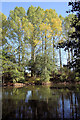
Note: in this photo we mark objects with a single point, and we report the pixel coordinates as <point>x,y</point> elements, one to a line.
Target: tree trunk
<point>60,58</point>
<point>71,54</point>
<point>33,61</point>
<point>23,55</point>
<point>68,62</point>
<point>19,39</point>
<point>72,57</point>
<point>42,45</point>
<point>45,53</point>
<point>53,54</point>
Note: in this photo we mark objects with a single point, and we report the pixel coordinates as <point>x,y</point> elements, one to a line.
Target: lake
<point>41,102</point>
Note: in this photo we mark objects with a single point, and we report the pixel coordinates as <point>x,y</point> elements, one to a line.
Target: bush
<point>45,75</point>
<point>67,75</point>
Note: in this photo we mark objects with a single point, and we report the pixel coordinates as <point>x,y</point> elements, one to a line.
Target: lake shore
<point>43,83</point>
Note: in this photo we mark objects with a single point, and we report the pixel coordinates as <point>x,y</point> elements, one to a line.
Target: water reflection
<point>40,102</point>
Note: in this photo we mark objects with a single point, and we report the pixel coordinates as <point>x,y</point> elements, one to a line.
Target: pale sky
<point>60,7</point>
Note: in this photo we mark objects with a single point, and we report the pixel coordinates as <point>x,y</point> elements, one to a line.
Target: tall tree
<point>56,27</point>
<point>16,42</point>
<point>16,29</point>
<point>46,30</point>
<point>76,35</point>
<point>3,41</point>
<point>35,18</point>
<point>60,46</point>
<point>68,29</point>
<point>60,42</point>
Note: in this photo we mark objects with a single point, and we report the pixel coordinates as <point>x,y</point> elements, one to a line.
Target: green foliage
<point>77,78</point>
<point>29,40</point>
<point>42,69</point>
<point>17,75</point>
<point>76,36</point>
<point>67,75</point>
<point>45,75</point>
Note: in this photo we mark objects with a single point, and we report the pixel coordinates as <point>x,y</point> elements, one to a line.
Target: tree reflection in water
<point>40,102</point>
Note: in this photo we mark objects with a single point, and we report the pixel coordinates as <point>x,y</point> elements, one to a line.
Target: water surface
<point>41,102</point>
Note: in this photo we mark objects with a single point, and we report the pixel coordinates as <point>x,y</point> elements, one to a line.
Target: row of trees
<point>76,35</point>
<point>30,41</point>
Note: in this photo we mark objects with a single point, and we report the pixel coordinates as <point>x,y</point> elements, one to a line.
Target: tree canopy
<point>30,41</point>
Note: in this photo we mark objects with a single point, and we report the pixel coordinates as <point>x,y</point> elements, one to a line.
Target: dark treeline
<point>32,42</point>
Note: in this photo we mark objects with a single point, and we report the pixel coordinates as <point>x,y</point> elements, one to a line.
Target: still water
<point>41,103</point>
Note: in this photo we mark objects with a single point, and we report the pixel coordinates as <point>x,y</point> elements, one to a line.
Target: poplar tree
<point>56,27</point>
<point>35,18</point>
<point>3,43</point>
<point>15,28</point>
<point>69,30</point>
<point>16,39</point>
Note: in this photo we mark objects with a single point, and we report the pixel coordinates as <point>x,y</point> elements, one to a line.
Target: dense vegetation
<point>31,42</point>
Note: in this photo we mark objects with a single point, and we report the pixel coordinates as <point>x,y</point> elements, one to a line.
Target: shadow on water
<point>41,103</point>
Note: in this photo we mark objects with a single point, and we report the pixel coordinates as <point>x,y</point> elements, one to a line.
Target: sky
<point>60,7</point>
